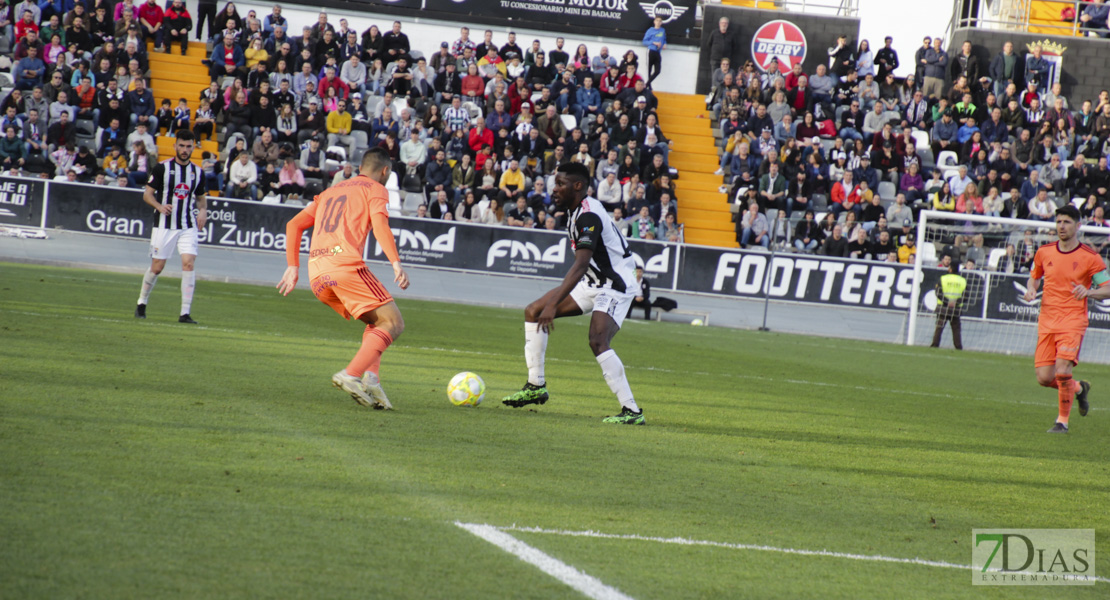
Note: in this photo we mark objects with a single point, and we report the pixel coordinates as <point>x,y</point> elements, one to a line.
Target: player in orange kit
<point>341,219</point>
<point>1068,268</point>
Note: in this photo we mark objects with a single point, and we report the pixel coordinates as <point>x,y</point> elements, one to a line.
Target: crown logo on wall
<point>1048,47</point>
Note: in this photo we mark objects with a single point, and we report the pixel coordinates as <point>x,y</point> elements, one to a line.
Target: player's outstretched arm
<point>294,230</point>
<point>577,270</point>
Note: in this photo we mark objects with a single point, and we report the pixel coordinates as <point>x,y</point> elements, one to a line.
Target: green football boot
<point>627,417</point>
<point>529,394</point>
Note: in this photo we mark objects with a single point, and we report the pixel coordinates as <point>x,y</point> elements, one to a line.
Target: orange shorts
<point>351,293</point>
<point>1055,346</point>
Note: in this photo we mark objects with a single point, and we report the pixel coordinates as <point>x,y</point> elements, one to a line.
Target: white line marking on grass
<point>757,547</point>
<point>589,586</point>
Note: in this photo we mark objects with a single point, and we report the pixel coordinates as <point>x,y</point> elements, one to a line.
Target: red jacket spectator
<point>840,196</point>
<point>480,136</point>
<point>178,19</point>
<point>342,90</point>
<point>151,13</point>
<point>626,82</point>
<point>22,26</point>
<point>473,85</point>
<point>517,97</point>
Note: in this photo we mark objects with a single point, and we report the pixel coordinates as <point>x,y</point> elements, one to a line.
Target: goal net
<point>995,255</point>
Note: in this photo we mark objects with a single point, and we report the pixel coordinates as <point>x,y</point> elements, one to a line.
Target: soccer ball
<point>697,322</point>
<point>466,389</point>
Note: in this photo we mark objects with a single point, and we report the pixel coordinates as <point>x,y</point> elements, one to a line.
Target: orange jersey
<point>341,219</point>
<point>1060,311</point>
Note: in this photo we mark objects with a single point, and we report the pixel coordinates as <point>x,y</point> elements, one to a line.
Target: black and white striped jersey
<point>178,186</point>
<point>611,265</point>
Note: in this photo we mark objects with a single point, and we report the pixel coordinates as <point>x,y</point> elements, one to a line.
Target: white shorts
<point>605,300</point>
<point>163,241</point>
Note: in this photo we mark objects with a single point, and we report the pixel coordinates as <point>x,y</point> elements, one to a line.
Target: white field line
<point>500,355</point>
<point>756,547</point>
<point>589,586</point>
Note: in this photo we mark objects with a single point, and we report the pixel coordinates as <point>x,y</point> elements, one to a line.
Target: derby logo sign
<point>782,40</point>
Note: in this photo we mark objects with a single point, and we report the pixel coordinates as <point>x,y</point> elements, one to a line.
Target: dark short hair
<point>374,159</point>
<point>184,135</point>
<point>577,170</point>
<point>1068,211</point>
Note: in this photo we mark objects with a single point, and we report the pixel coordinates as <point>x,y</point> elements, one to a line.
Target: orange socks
<point>1066,386</point>
<point>369,356</point>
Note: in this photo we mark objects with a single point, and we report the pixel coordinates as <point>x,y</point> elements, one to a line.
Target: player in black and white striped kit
<point>176,190</point>
<point>602,280</point>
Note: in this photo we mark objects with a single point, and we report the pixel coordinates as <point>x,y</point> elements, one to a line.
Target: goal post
<point>994,314</point>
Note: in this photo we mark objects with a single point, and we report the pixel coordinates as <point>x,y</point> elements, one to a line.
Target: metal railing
<point>1017,15</point>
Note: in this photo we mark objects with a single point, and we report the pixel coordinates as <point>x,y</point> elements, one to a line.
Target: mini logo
<point>664,10</point>
<point>782,40</point>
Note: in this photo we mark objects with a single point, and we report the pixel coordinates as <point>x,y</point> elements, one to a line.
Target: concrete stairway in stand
<point>175,76</point>
<point>701,206</point>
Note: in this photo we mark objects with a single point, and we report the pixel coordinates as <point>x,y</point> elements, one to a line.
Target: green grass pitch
<point>148,459</point>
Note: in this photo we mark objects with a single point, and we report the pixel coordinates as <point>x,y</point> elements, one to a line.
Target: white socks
<point>535,347</point>
<point>188,284</point>
<point>149,279</point>
<point>613,369</point>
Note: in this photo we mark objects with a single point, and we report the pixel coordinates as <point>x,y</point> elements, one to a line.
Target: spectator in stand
<point>228,59</point>
<point>655,40</point>
<point>1094,17</point>
<point>150,18</point>
<point>845,196</point>
<point>177,23</point>
<point>242,178</point>
<point>338,124</point>
<point>886,60</point>
<point>29,70</point>
<point>842,58</point>
<point>752,227</point>
<point>935,68</point>
<point>821,85</point>
<point>291,179</point>
<point>1036,70</point>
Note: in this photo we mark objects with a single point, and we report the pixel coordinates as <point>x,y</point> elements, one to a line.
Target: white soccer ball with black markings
<point>466,389</point>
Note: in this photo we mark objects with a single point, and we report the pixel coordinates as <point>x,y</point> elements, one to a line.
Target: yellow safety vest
<point>952,287</point>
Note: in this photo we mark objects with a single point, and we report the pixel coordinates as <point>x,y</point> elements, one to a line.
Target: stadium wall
<point>797,279</point>
<point>820,34</point>
<point>427,28</point>
<point>1083,63</point>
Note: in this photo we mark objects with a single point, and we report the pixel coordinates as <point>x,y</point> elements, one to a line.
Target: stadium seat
<point>391,184</point>
<point>994,257</point>
<point>928,254</point>
<point>948,159</point>
<point>887,191</point>
<point>569,122</point>
<point>336,156</point>
<point>410,202</point>
<point>394,203</point>
<point>920,139</point>
<point>819,202</point>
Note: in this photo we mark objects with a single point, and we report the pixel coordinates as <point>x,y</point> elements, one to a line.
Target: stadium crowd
<point>852,142</point>
<point>477,127</point>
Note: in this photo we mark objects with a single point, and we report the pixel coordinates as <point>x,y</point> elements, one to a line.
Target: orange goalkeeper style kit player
<point>1068,268</point>
<point>341,219</point>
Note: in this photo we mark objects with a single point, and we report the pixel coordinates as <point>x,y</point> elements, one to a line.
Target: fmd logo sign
<point>782,40</point>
